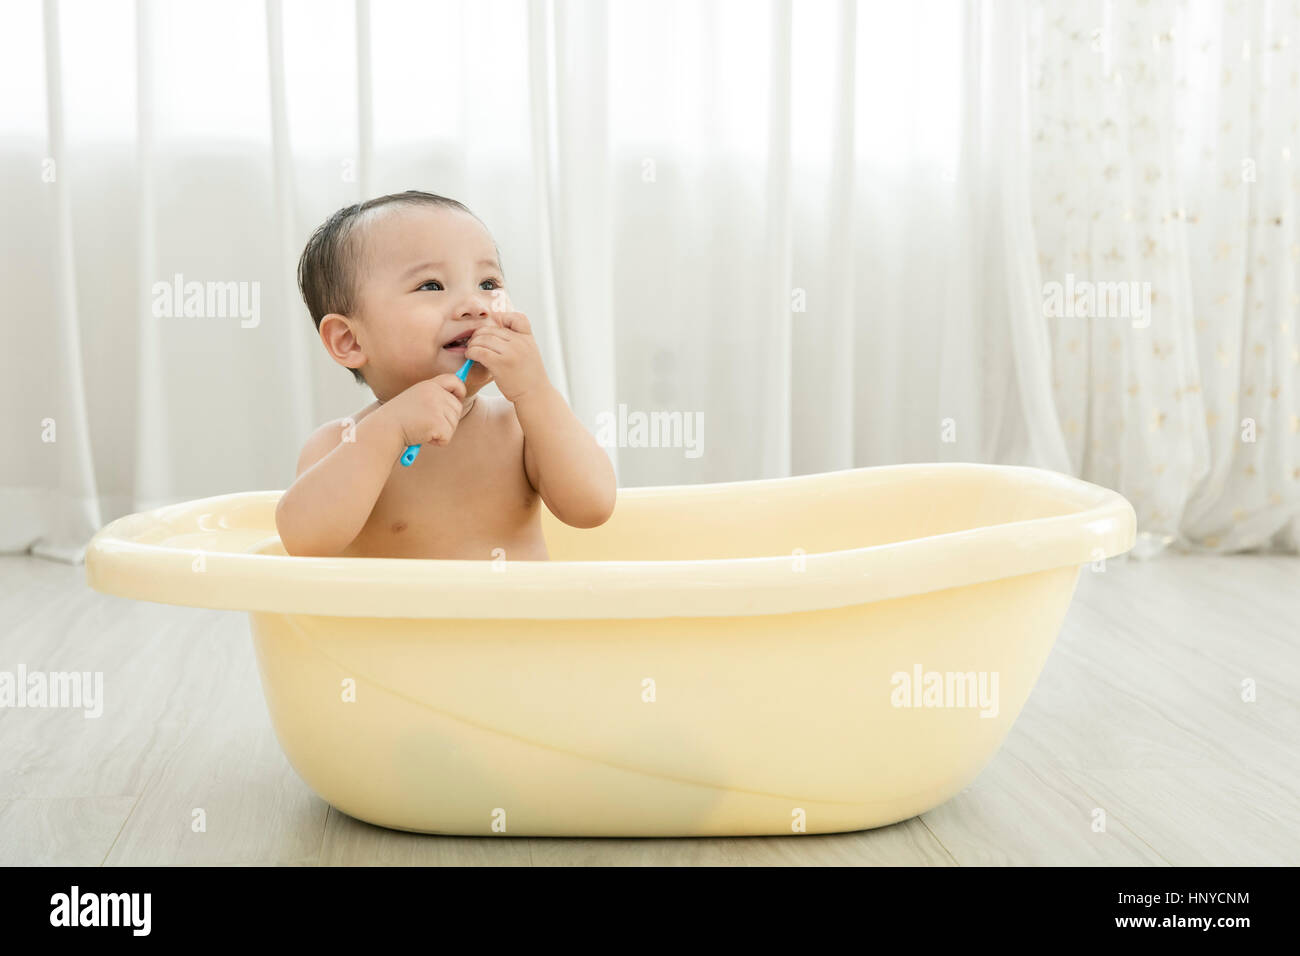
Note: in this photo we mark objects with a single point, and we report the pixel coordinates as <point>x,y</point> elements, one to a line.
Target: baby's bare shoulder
<point>502,412</point>
<point>505,422</point>
<point>327,437</point>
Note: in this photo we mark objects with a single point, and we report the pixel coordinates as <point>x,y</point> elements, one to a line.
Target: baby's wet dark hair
<point>327,270</point>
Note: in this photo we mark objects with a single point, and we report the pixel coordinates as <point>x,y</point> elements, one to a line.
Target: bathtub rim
<point>428,588</point>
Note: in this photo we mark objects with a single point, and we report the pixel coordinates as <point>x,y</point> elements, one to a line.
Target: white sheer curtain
<point>816,225</point>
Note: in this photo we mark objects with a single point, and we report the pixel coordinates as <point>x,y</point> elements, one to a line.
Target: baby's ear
<point>340,341</point>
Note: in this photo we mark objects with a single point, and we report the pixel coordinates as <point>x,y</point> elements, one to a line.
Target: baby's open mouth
<point>459,343</point>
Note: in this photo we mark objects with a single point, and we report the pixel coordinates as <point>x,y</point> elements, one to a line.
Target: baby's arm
<point>337,485</point>
<point>562,460</point>
<point>339,481</point>
<point>564,463</point>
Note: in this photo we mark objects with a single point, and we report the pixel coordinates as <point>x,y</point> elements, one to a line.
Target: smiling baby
<point>403,290</point>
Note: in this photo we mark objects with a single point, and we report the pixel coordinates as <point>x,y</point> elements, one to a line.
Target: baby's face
<point>426,276</point>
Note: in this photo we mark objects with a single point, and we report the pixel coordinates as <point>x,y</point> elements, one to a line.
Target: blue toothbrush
<point>408,456</point>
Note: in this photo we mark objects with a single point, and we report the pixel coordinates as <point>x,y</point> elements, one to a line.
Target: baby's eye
<point>495,284</point>
<point>431,282</point>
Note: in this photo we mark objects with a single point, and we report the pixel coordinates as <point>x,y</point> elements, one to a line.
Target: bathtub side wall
<point>664,727</point>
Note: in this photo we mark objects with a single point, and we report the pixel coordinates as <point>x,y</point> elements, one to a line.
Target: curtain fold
<point>291,340</point>
<point>812,236</point>
<point>51,520</point>
<point>1024,428</point>
<point>773,327</point>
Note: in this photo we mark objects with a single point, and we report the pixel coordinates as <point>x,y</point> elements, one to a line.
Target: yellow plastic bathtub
<point>716,660</point>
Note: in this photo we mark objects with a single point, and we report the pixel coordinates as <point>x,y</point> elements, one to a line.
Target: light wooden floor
<point>1138,713</point>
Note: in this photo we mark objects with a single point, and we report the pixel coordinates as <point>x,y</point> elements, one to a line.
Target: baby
<point>403,289</point>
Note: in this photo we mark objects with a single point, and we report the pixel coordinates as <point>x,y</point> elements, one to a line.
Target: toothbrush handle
<point>408,456</point>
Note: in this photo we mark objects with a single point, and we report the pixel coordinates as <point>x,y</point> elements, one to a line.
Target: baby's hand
<point>510,354</point>
<point>429,411</point>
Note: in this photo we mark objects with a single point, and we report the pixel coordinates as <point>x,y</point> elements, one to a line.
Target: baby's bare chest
<point>470,499</point>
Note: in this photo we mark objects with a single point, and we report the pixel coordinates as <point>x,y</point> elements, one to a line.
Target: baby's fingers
<point>452,384</point>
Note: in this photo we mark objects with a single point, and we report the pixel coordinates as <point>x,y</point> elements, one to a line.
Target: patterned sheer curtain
<point>1166,158</point>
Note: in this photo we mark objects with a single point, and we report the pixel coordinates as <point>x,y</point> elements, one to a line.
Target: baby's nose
<point>476,306</point>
